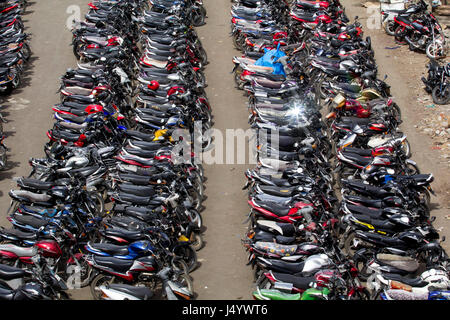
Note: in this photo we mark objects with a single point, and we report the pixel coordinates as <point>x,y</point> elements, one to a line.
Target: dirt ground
<point>223,274</point>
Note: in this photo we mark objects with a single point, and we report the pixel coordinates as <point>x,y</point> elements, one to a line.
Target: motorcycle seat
<point>274,208</point>
<point>146,145</point>
<point>8,294</point>
<point>268,83</point>
<point>116,264</point>
<point>360,160</point>
<point>413,282</point>
<point>366,188</point>
<point>269,180</point>
<point>86,171</point>
<point>297,281</point>
<point>382,240</point>
<point>118,232</point>
<point>403,20</point>
<point>137,190</point>
<point>134,178</point>
<point>33,197</point>
<point>132,198</point>
<point>144,214</point>
<point>358,151</point>
<point>143,293</point>
<point>142,153</point>
<point>9,272</point>
<point>276,248</point>
<point>16,233</point>
<point>30,220</point>
<point>375,203</point>
<point>34,184</point>
<point>303,17</point>
<point>140,135</point>
<point>408,266</point>
<point>382,224</point>
<point>109,248</point>
<point>277,191</point>
<point>365,211</point>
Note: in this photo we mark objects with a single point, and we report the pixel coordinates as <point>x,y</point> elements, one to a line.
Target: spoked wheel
<point>98,281</point>
<point>349,245</point>
<point>435,50</point>
<point>196,241</point>
<point>390,27</point>
<point>237,79</point>
<point>441,94</point>
<point>197,17</point>
<point>188,255</point>
<point>399,35</point>
<point>184,281</point>
<point>411,169</point>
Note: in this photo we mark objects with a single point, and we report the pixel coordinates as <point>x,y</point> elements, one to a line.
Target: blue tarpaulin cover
<point>267,60</point>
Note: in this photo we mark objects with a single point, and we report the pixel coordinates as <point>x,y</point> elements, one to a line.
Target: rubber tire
<point>189,255</point>
<point>101,278</point>
<point>436,94</point>
<point>434,56</point>
<point>196,241</point>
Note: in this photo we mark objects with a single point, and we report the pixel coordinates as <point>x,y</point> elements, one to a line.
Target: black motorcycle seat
<point>359,186</point>
<point>134,178</point>
<point>149,145</point>
<point>142,152</point>
<point>144,214</point>
<point>268,83</point>
<point>9,272</point>
<point>139,135</point>
<point>287,229</point>
<point>35,184</point>
<point>277,191</point>
<point>403,19</point>
<point>413,282</point>
<point>384,240</point>
<point>7,294</point>
<point>382,224</point>
<point>109,248</point>
<point>274,208</point>
<point>116,264</point>
<point>356,120</point>
<point>360,160</point>
<point>305,17</point>
<point>137,200</point>
<point>16,233</point>
<point>30,220</point>
<point>375,203</point>
<point>143,293</point>
<point>86,171</point>
<point>286,267</point>
<point>298,282</point>
<point>359,151</point>
<point>128,235</point>
<point>144,191</point>
<point>269,180</point>
<point>373,213</point>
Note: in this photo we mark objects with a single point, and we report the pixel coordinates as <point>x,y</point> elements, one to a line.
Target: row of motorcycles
<point>338,208</point>
<point>14,54</point>
<point>416,27</point>
<point>14,48</point>
<point>420,29</point>
<point>111,205</point>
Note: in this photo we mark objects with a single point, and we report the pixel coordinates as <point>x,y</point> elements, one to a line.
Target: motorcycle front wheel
<point>99,280</point>
<point>435,50</point>
<point>441,95</point>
